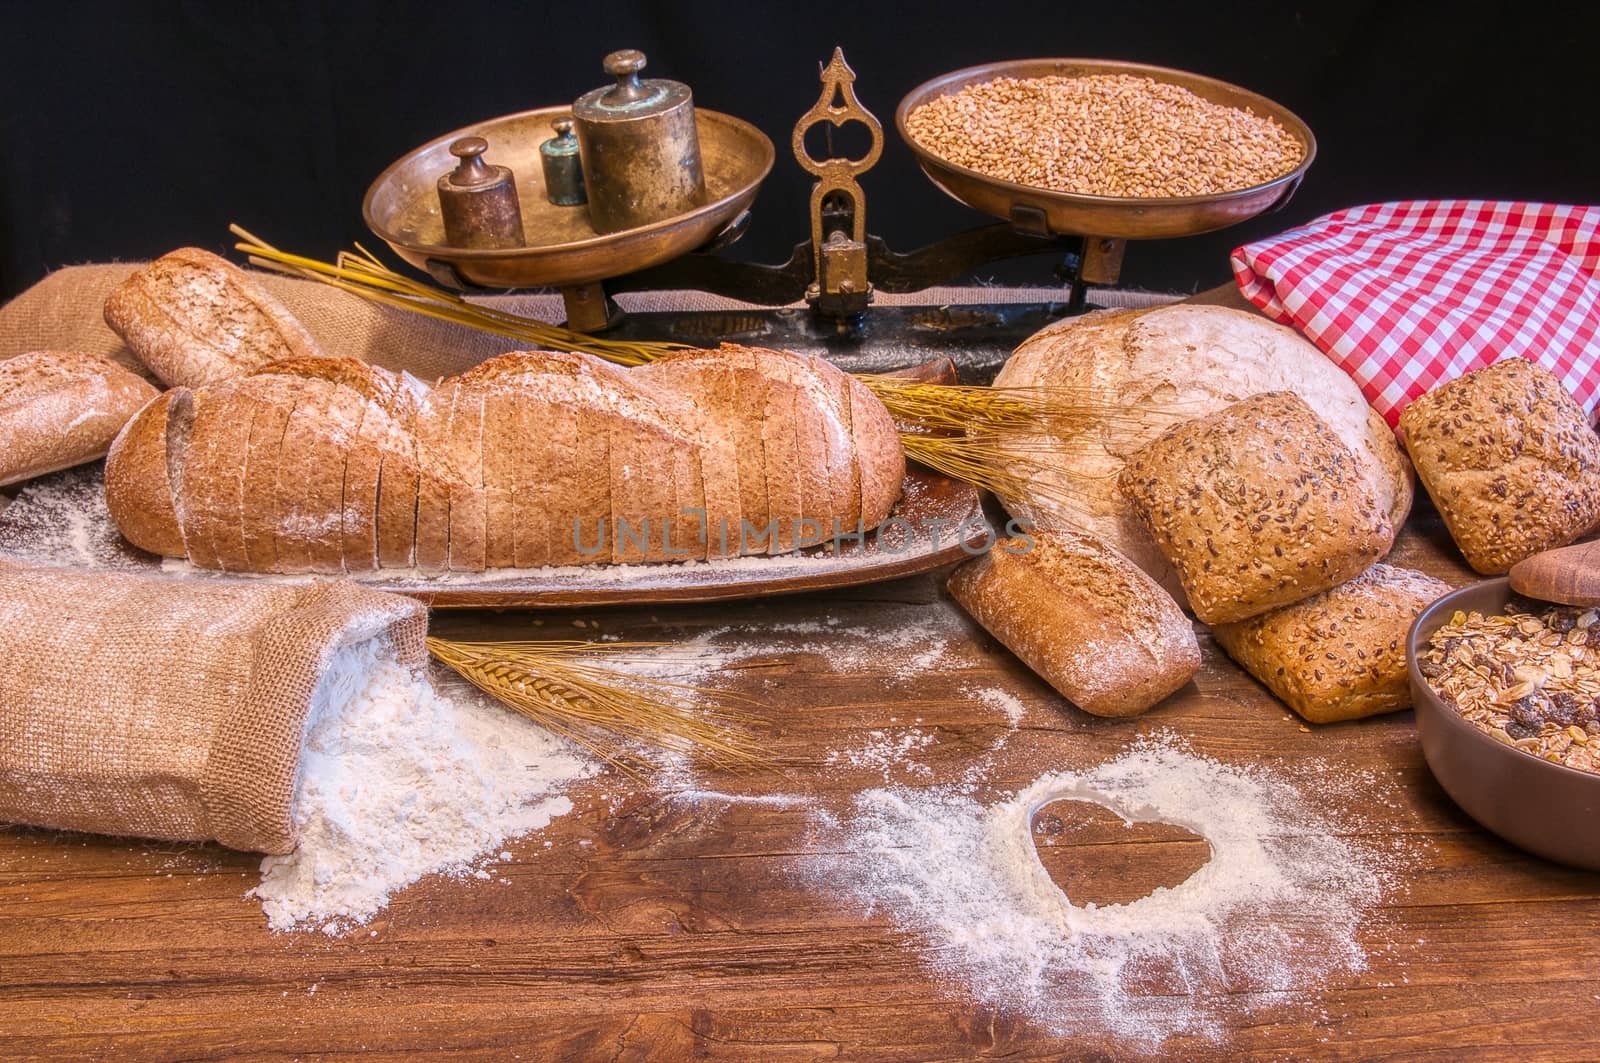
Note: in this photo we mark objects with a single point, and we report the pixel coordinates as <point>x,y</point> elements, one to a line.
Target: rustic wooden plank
<point>683,930</point>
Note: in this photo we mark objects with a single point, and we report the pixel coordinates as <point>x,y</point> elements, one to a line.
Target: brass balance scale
<point>669,186</point>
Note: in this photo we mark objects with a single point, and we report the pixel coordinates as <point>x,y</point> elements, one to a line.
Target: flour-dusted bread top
<point>193,318</point>
<point>1082,616</point>
<point>61,408</point>
<point>532,458</point>
<point>1509,459</point>
<point>1256,506</point>
<point>1341,654</point>
<point>1141,371</point>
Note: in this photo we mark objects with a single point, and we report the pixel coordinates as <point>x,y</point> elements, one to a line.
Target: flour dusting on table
<point>1275,911</point>
<point>399,780</point>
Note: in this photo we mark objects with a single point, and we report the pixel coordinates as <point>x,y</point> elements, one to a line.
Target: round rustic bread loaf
<point>1139,372</point>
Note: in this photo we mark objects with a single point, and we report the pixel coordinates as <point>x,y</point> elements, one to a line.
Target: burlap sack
<point>170,709</point>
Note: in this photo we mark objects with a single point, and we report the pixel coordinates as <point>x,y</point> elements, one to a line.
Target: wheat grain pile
<point>1105,135</point>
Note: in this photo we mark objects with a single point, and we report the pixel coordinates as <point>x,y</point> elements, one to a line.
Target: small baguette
<point>1085,618</point>
<point>59,409</point>
<point>193,318</point>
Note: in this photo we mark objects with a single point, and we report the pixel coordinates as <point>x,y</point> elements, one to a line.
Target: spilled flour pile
<point>1276,909</point>
<point>399,780</point>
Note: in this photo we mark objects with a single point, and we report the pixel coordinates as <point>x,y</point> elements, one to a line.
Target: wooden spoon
<point>1569,575</point>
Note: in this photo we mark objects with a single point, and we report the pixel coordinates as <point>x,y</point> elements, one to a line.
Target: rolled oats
<point>1530,680</point>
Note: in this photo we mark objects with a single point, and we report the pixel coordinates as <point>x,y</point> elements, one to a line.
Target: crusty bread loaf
<point>1257,505</point>
<point>193,318</point>
<point>59,409</point>
<point>1088,620</point>
<point>1341,654</point>
<point>1137,373</point>
<point>534,458</point>
<point>1509,460</point>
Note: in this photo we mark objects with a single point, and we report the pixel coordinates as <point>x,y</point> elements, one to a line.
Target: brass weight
<point>563,169</point>
<point>477,201</point>
<point>640,148</point>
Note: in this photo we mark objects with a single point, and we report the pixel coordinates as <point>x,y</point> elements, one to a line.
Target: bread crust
<point>1341,654</point>
<point>61,408</point>
<point>1509,460</point>
<point>193,318</point>
<point>433,476</point>
<point>1090,622</point>
<point>1256,506</point>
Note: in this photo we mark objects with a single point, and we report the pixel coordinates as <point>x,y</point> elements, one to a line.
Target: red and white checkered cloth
<point>1407,296</point>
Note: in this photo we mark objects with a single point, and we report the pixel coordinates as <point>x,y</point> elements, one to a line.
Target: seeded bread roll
<point>193,318</point>
<point>1341,654</point>
<point>532,458</point>
<point>59,409</point>
<point>1509,460</point>
<point>1256,506</point>
<point>1085,618</point>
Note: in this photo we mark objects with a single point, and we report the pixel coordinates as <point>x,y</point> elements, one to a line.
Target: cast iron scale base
<point>837,271</point>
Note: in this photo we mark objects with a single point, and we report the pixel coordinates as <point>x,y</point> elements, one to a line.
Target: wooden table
<point>665,927</point>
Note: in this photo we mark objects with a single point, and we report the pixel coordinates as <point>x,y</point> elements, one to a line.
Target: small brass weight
<point>477,201</point>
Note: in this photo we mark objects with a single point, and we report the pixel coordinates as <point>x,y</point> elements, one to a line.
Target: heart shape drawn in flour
<point>1095,856</point>
<point>1011,827</point>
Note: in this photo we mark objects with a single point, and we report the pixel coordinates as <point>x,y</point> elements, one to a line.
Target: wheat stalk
<point>569,688</point>
<point>361,273</point>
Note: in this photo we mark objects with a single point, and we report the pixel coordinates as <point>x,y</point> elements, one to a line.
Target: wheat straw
<point>569,688</point>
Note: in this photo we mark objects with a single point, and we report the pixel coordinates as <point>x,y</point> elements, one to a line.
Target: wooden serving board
<point>62,519</point>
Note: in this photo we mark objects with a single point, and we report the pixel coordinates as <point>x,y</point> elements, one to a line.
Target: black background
<point>129,130</point>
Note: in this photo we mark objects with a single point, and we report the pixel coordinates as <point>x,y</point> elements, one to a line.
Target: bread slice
<point>500,422</point>
<point>712,417</point>
<point>140,492</point>
<point>398,479</point>
<point>467,502</point>
<point>193,318</point>
<point>780,447</point>
<point>213,512</point>
<point>307,493</point>
<point>358,521</point>
<point>433,476</point>
<point>334,441</point>
<point>398,491</point>
<point>276,398</point>
<point>879,455</point>
<point>60,408</point>
<point>547,475</point>
<point>643,489</point>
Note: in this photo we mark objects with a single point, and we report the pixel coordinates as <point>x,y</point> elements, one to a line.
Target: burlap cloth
<point>170,709</point>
